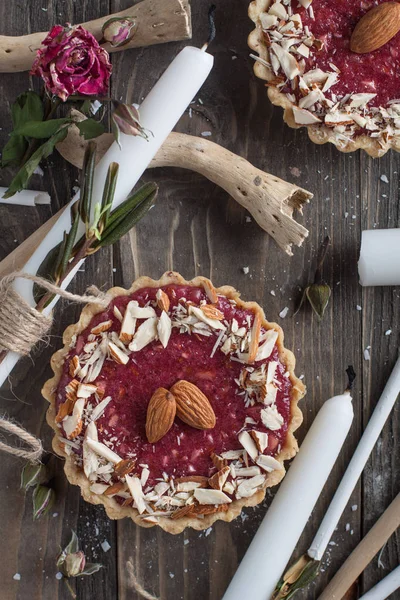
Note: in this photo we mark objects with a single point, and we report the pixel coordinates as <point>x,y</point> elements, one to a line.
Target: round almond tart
<point>348,99</point>
<point>176,405</point>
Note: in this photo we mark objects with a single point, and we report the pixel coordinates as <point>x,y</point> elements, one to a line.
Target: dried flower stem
<point>321,259</point>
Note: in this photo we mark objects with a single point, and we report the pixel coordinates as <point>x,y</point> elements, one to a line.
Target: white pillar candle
<point>379,262</point>
<point>25,198</point>
<point>357,464</point>
<point>384,588</point>
<point>280,530</point>
<point>159,114</point>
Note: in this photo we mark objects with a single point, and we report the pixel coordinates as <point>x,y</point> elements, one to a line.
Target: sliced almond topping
<point>210,509</point>
<point>124,467</point>
<point>71,389</point>
<point>268,463</point>
<point>271,418</point>
<point>229,488</point>
<point>254,338</point>
<point>210,291</point>
<point>65,408</point>
<point>98,488</point>
<point>218,462</point>
<point>248,444</point>
<point>100,408</point>
<point>182,512</point>
<point>115,488</point>
<point>146,333</point>
<point>247,472</point>
<point>142,312</point>
<point>117,354</point>
<point>304,117</point>
<point>266,348</point>
<point>214,323</point>
<point>117,313</point>
<point>190,483</point>
<point>206,496</point>
<point>104,326</point>
<point>261,440</point>
<point>73,425</point>
<point>218,480</point>
<point>85,390</point>
<point>248,487</point>
<point>74,366</point>
<point>163,301</point>
<point>90,458</point>
<point>164,328</point>
<point>128,324</point>
<point>135,488</point>
<point>103,450</point>
<point>212,312</point>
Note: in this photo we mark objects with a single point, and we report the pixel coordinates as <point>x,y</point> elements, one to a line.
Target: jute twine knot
<point>32,455</point>
<point>134,583</point>
<point>21,325</point>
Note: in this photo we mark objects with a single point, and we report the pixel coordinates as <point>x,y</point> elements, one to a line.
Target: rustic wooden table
<point>196,229</point>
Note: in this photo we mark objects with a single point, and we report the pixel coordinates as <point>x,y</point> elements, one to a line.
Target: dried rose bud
<point>318,295</point>
<point>72,561</point>
<point>125,119</point>
<point>74,564</point>
<point>33,474</point>
<point>43,500</point>
<point>118,31</point>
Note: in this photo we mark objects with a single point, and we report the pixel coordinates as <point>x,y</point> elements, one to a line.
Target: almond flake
<point>104,326</point>
<point>270,394</point>
<point>268,463</point>
<point>268,21</point>
<point>247,472</point>
<point>73,425</point>
<point>271,372</point>
<point>254,338</point>
<point>261,440</point>
<point>218,480</point>
<point>145,334</point>
<point>232,454</point>
<point>99,409</point>
<point>212,312</point>
<point>266,348</point>
<point>188,486</point>
<point>85,390</point>
<point>142,312</point>
<point>271,418</point>
<point>205,496</point>
<point>128,324</point>
<point>103,450</point>
<point>248,487</point>
<point>164,328</point>
<point>304,117</point>
<point>248,444</point>
<point>229,488</point>
<point>210,291</point>
<point>120,357</point>
<point>163,301</point>
<point>74,366</point>
<point>197,312</point>
<point>278,10</point>
<point>286,60</point>
<point>98,488</point>
<point>135,488</point>
<point>117,313</point>
<point>90,458</point>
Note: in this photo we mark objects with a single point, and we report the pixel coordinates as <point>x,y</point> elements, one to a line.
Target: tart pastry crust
<point>114,510</point>
<point>319,133</point>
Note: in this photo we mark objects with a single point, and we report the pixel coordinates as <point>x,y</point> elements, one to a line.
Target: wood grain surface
<point>196,229</point>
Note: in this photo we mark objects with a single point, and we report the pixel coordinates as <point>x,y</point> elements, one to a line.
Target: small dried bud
<point>33,474</point>
<point>72,561</point>
<point>43,500</point>
<point>74,564</point>
<point>119,31</point>
<point>125,119</point>
<point>318,295</point>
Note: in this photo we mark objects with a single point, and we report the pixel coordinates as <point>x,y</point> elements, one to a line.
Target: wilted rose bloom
<point>74,564</point>
<point>118,31</point>
<point>71,61</point>
<point>125,118</point>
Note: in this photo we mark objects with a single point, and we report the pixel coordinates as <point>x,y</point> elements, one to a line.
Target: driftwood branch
<point>270,200</point>
<point>158,21</point>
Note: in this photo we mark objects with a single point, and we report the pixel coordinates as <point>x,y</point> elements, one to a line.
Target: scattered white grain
<point>245,270</point>
<point>172,575</point>
<point>38,171</point>
<point>207,532</point>
<point>185,542</point>
<point>301,377</point>
<point>206,133</point>
<point>105,546</point>
<point>388,332</point>
<point>17,576</point>
<point>384,178</point>
<point>95,106</point>
<point>367,355</point>
<point>59,575</point>
<point>347,527</point>
<point>248,219</point>
<point>358,307</point>
<point>284,312</point>
<point>55,514</point>
<point>354,507</point>
<point>272,292</point>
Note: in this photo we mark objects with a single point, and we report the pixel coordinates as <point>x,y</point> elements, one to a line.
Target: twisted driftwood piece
<point>270,200</point>
<point>158,21</point>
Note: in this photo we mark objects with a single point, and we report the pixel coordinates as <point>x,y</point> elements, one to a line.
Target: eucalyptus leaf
<point>23,176</point>
<point>90,128</point>
<point>40,129</point>
<point>13,151</point>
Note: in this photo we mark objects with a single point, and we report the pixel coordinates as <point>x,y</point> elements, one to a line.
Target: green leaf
<point>71,237</point>
<point>89,163</point>
<point>119,213</point>
<point>40,129</point>
<point>120,228</point>
<point>109,191</point>
<point>90,128</point>
<point>21,179</point>
<point>28,106</point>
<point>47,270</point>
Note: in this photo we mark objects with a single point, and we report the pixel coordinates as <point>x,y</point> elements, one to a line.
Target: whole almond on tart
<point>160,415</point>
<point>192,406</point>
<point>377,27</point>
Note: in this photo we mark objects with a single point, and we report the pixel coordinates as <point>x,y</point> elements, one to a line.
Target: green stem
<point>71,591</point>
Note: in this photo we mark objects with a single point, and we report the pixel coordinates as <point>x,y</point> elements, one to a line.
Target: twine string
<point>134,583</point>
<point>32,455</point>
<point>21,325</point>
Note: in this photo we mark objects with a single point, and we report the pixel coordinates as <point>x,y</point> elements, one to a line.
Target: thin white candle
<point>384,588</point>
<point>159,113</point>
<point>25,198</point>
<point>357,464</point>
<point>379,262</point>
<point>280,530</point>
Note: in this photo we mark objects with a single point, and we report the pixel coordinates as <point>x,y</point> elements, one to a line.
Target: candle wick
<point>351,378</point>
<point>212,29</point>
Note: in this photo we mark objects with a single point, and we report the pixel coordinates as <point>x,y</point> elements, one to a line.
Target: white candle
<point>379,262</point>
<point>280,530</point>
<point>159,114</point>
<point>384,588</point>
<point>357,464</point>
<point>25,198</point>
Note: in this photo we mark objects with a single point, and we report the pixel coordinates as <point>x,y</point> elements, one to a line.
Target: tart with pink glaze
<point>346,91</point>
<point>176,405</point>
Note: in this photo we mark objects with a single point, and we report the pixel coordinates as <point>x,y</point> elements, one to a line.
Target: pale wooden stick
<point>270,200</point>
<point>364,553</point>
<point>158,21</point>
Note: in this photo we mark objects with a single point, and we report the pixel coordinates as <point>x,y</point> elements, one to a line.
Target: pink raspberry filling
<point>183,450</point>
<point>374,73</point>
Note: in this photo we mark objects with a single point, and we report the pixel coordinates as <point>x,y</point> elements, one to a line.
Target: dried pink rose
<point>119,31</point>
<point>71,61</point>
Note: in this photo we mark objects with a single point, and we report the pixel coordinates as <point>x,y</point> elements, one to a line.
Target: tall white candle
<point>384,588</point>
<point>25,198</point>
<point>379,262</point>
<point>280,530</point>
<point>357,464</point>
<point>159,114</point>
